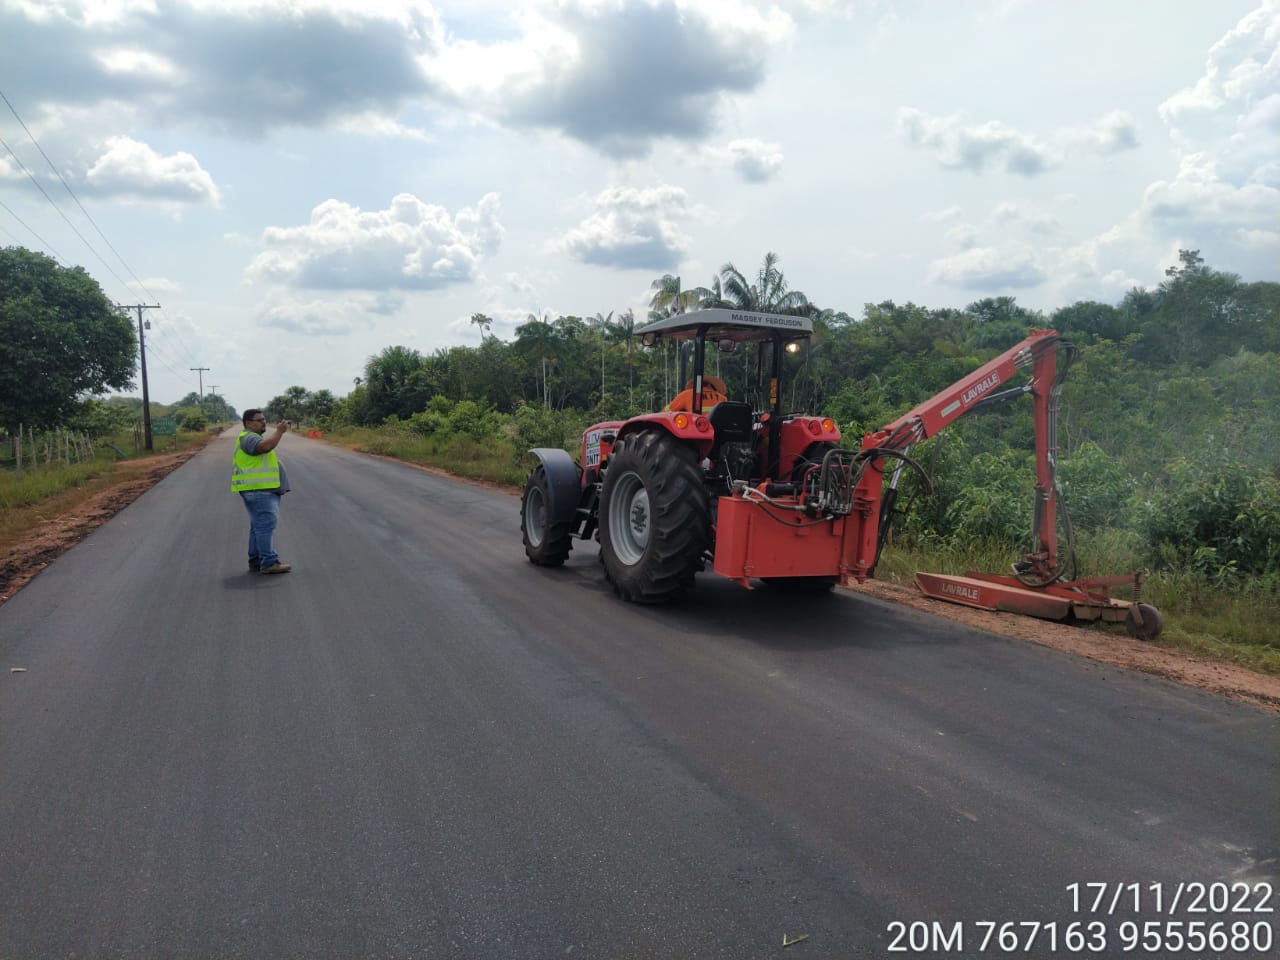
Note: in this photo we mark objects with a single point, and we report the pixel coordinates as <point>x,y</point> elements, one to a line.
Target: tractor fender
<point>563,483</point>
<point>696,431</point>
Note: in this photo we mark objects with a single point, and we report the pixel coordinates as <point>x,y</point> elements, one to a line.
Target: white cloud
<point>130,169</point>
<point>631,229</point>
<point>1227,127</point>
<point>143,64</point>
<point>1240,73</point>
<point>943,215</point>
<point>1115,132</point>
<point>988,269</point>
<point>342,316</point>
<point>247,67</point>
<point>1012,214</point>
<point>410,245</point>
<point>1260,239</point>
<point>616,75</point>
<point>373,124</point>
<point>161,285</point>
<point>755,161</point>
<point>1198,192</point>
<point>963,236</point>
<point>975,147</point>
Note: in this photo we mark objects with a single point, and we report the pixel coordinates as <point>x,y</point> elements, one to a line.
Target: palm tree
<point>622,331</point>
<point>669,299</point>
<point>387,376</point>
<point>320,404</point>
<point>602,322</point>
<point>483,322</point>
<point>536,338</point>
<point>769,293</point>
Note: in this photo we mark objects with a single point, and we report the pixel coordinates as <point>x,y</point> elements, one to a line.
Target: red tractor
<point>761,494</point>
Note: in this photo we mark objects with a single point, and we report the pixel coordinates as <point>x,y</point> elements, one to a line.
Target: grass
<point>42,492</point>
<point>34,486</point>
<point>1234,623</point>
<point>460,455</point>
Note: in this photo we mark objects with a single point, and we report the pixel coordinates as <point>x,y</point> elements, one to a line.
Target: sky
<point>300,184</point>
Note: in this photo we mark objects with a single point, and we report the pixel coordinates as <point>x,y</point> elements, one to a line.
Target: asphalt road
<point>419,745</point>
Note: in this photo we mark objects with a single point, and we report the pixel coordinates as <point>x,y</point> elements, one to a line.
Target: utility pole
<point>213,390</point>
<point>142,351</point>
<point>202,370</point>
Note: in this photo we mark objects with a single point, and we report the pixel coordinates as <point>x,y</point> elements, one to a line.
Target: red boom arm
<point>1036,356</point>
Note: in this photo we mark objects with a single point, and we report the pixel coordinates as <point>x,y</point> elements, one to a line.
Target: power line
<point>172,331</point>
<point>72,193</point>
<point>181,343</point>
<point>57,256</point>
<point>164,361</point>
<point>31,177</point>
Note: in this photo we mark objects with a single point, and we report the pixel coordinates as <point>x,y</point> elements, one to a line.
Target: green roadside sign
<point>164,427</point>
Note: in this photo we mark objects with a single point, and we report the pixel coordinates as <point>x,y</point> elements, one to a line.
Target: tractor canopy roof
<point>722,323</point>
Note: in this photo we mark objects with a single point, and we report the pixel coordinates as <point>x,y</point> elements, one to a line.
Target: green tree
<point>355,409</point>
<point>60,339</point>
<point>293,405</point>
<point>622,333</point>
<point>101,417</point>
<point>389,377</point>
<point>319,404</point>
<point>768,294</point>
<point>1199,316</point>
<point>217,409</point>
<point>536,339</point>
<point>1096,321</point>
<point>999,323</point>
<point>483,322</point>
<point>602,331</point>
<point>669,298</point>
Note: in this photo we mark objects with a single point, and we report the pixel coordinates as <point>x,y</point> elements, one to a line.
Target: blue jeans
<point>264,512</point>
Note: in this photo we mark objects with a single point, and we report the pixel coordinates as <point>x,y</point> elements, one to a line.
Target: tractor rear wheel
<point>545,543</point>
<point>655,518</point>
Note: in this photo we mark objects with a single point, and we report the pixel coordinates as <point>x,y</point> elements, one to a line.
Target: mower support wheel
<point>655,518</point>
<point>1151,624</point>
<point>545,543</point>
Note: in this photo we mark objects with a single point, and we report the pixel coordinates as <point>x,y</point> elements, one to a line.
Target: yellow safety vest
<point>258,472</point>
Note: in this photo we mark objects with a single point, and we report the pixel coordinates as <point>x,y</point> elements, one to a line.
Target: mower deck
<point>1077,599</point>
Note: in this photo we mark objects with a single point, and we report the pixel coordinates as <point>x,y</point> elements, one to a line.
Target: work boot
<point>277,567</point>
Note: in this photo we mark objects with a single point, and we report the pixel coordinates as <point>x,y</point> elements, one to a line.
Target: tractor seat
<point>732,422</point>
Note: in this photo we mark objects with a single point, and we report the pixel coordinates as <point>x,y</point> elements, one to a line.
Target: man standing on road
<point>257,476</point>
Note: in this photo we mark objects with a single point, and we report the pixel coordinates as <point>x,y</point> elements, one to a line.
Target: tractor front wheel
<point>545,543</point>
<point>655,518</point>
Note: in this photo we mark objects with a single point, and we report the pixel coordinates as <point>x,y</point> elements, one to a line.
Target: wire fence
<point>29,450</point>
